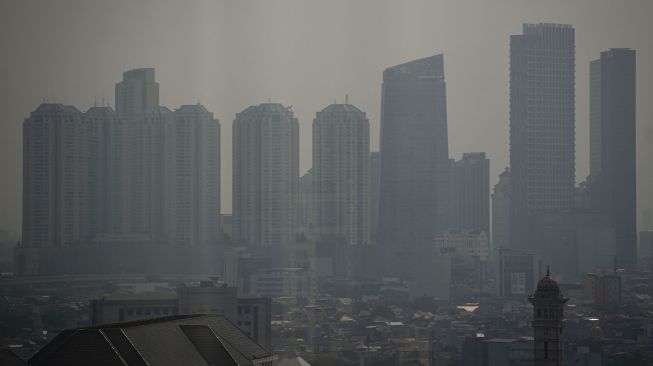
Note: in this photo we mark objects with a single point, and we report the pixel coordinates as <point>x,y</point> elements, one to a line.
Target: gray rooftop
<point>200,340</point>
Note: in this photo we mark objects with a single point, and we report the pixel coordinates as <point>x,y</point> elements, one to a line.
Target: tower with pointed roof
<point>548,316</point>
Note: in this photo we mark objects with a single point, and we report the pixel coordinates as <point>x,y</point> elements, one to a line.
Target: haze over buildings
<point>226,72</point>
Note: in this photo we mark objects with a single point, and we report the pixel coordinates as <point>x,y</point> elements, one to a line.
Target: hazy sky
<point>230,54</point>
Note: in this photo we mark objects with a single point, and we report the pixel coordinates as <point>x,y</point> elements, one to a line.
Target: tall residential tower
<point>265,174</point>
<point>341,148</point>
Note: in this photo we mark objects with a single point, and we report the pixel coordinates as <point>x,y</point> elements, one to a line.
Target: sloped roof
<point>429,66</point>
<point>294,361</point>
<point>9,358</point>
<point>199,340</point>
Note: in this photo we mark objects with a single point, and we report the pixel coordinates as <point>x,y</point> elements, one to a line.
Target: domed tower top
<point>548,317</point>
<point>548,288</point>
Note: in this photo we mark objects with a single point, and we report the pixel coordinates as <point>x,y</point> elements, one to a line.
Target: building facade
<point>542,124</point>
<point>501,211</point>
<point>194,211</point>
<point>265,175</point>
<point>613,147</point>
<point>470,192</point>
<point>414,150</point>
<point>341,148</point>
<point>137,92</point>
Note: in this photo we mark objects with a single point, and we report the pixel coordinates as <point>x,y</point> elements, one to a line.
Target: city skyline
<point>364,89</point>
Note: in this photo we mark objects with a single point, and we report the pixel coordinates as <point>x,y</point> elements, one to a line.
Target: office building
<point>517,272</point>
<point>602,289</point>
<point>265,174</point>
<point>542,124</point>
<point>613,147</point>
<point>251,314</point>
<point>470,192</point>
<point>501,211</point>
<point>341,148</point>
<point>137,92</point>
<point>282,282</point>
<point>414,199</point>
<point>375,180</point>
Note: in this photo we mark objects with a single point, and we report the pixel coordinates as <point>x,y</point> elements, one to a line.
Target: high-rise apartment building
<point>542,123</point>
<point>470,192</point>
<point>108,171</point>
<point>265,174</point>
<point>194,208</point>
<point>137,92</point>
<point>414,197</point>
<point>149,149</point>
<point>56,180</point>
<point>613,147</point>
<point>341,148</point>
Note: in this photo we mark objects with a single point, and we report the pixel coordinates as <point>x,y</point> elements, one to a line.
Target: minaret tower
<point>548,317</point>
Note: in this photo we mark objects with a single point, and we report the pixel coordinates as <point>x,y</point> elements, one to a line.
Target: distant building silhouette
<point>145,176</point>
<point>375,180</point>
<point>265,174</point>
<point>194,211</point>
<point>341,149</point>
<point>137,92</point>
<point>548,317</point>
<point>306,205</point>
<point>542,124</point>
<point>414,150</point>
<point>470,192</point>
<point>501,211</point>
<point>613,147</point>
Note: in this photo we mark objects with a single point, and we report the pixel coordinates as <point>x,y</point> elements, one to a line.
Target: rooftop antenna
<point>346,98</point>
<point>548,274</point>
<point>95,101</point>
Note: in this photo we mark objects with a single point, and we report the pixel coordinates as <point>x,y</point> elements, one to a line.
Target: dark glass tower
<point>613,147</point>
<point>414,153</point>
<point>542,125</point>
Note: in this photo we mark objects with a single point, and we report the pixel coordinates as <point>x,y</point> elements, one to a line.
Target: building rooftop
<point>192,109</point>
<point>267,108</point>
<point>340,108</point>
<point>51,108</point>
<point>100,111</point>
<point>432,66</point>
<point>200,340</point>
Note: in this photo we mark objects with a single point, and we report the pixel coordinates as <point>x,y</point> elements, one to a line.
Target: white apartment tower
<point>265,174</point>
<point>341,148</point>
